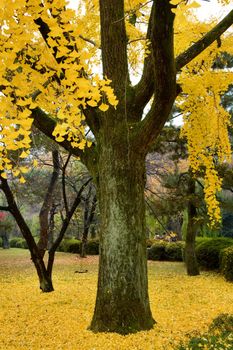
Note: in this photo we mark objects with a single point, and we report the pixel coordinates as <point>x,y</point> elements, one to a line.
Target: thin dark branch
<point>150,207</point>
<point>214,34</point>
<point>64,183</point>
<point>5,208</point>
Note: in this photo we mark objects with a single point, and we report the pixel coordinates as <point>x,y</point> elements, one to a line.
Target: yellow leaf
<point>35,163</point>
<point>23,154</point>
<point>22,180</point>
<point>92,103</point>
<point>4,175</point>
<point>103,107</point>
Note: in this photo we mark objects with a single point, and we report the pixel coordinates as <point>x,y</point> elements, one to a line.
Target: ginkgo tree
<point>50,56</point>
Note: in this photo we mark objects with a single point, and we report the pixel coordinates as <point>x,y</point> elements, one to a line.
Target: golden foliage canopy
<point>50,58</point>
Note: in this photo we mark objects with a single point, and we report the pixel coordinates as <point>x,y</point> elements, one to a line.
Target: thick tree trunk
<point>122,303</point>
<point>190,255</point>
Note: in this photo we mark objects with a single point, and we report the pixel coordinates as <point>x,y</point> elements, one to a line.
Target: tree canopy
<point>50,56</point>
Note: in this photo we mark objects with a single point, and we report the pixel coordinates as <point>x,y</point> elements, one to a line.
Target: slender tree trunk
<point>88,217</point>
<point>44,278</point>
<point>5,241</point>
<point>190,255</point>
<point>51,226</point>
<point>46,206</point>
<point>122,303</point>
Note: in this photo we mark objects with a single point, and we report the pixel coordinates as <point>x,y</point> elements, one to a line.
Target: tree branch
<point>194,50</point>
<point>4,208</point>
<point>143,91</point>
<point>114,45</point>
<point>64,184</point>
<point>46,124</point>
<point>164,74</point>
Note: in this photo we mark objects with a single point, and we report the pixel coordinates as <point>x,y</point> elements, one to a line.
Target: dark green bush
<point>18,242</point>
<point>74,246</point>
<point>174,251</point>
<point>200,240</point>
<point>208,251</point>
<point>168,251</point>
<point>157,251</point>
<point>70,245</point>
<point>219,337</point>
<point>0,242</point>
<point>226,263</point>
<point>150,242</point>
<point>93,247</point>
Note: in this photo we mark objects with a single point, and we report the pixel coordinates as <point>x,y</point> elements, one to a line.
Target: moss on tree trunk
<point>122,303</point>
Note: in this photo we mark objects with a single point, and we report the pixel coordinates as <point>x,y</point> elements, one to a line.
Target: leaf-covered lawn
<point>30,319</point>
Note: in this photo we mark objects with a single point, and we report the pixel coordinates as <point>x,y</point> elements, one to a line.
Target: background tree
<point>38,250</point>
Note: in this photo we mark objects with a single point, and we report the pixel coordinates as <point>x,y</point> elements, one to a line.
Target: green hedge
<point>0,242</point>
<point>70,245</point>
<point>161,250</point>
<point>93,247</point>
<point>226,263</point>
<point>18,242</point>
<point>73,245</point>
<point>208,251</point>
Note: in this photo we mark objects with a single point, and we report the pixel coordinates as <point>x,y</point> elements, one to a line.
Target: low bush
<point>208,251</point>
<point>18,242</point>
<point>174,251</point>
<point>226,263</point>
<point>156,251</point>
<point>93,247</point>
<point>72,245</point>
<point>0,242</point>
<point>150,242</point>
<point>169,251</point>
<point>219,336</point>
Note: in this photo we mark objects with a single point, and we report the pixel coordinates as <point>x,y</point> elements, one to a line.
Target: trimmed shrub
<point>18,242</point>
<point>226,263</point>
<point>74,246</point>
<point>208,251</point>
<point>150,242</point>
<point>0,242</point>
<point>200,240</point>
<point>157,251</point>
<point>167,251</point>
<point>93,247</point>
<point>174,251</point>
<point>70,245</point>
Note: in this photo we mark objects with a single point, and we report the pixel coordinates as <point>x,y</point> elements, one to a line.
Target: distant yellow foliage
<point>181,305</point>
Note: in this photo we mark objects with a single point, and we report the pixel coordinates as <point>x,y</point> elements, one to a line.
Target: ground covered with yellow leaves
<point>182,306</point>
